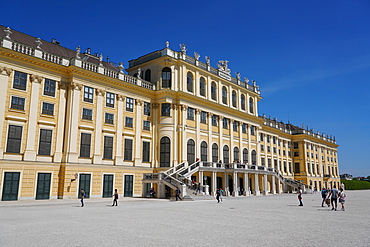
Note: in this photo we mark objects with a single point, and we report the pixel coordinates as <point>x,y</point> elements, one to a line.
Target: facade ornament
<point>223,66</point>
<point>78,51</point>
<point>38,43</point>
<point>36,78</point>
<point>184,107</point>
<point>76,86</point>
<point>88,50</point>
<point>120,97</point>
<point>254,83</point>
<point>155,105</point>
<point>183,48</point>
<point>167,44</point>
<point>238,76</point>
<point>138,102</point>
<point>62,85</point>
<point>196,55</point>
<point>7,32</point>
<point>7,71</point>
<point>246,80</point>
<point>120,67</point>
<point>208,61</point>
<point>175,106</point>
<point>101,59</point>
<point>99,92</point>
<point>139,73</point>
<point>197,111</point>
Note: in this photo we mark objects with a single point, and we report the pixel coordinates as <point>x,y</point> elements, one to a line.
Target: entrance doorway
<point>43,186</point>
<point>84,183</point>
<point>10,186</point>
<point>108,185</point>
<point>129,186</point>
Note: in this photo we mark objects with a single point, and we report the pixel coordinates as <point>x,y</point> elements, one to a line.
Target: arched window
<point>245,155</point>
<point>213,91</point>
<point>202,86</point>
<point>148,75</point>
<point>242,102</point>
<point>233,98</point>
<point>224,95</point>
<point>191,151</point>
<point>214,152</point>
<point>226,154</point>
<point>165,152</point>
<point>166,78</point>
<point>236,154</point>
<point>254,157</point>
<point>251,107</point>
<point>203,151</point>
<point>189,82</point>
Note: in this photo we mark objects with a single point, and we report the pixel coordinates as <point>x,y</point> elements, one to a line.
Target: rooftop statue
<point>183,48</point>
<point>167,44</point>
<point>222,65</point>
<point>208,61</point>
<point>196,55</point>
<point>78,50</point>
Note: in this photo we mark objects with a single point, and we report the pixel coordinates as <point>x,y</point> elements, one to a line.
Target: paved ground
<point>273,220</point>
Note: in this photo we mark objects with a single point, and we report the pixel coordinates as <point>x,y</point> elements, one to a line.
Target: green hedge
<point>355,185</point>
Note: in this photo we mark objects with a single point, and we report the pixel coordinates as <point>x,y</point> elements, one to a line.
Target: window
<point>233,98</point>
<point>236,154</point>
<point>109,101</point>
<point>274,140</point>
<point>146,151</point>
<point>296,154</point>
<point>203,117</point>
<point>268,138</point>
<point>268,149</point>
<point>261,137</point>
<point>253,129</point>
<point>49,87</point>
<point>190,113</point>
<point>251,107</point>
<point>213,91</point>
<point>274,149</point>
<point>224,95</point>
<point>245,155</point>
<point>202,86</point>
<point>129,122</point>
<point>244,128</point>
<point>85,145</point>
<point>14,139</point>
<point>17,103</point>
<point>146,125</point>
<point>166,109</point>
<point>189,82</point>
<point>235,126</point>
<point>129,104</point>
<point>165,152</point>
<point>88,94</point>
<point>128,149</point>
<point>254,157</point>
<point>108,147</point>
<point>226,154</point>
<point>262,147</point>
<point>191,151</point>
<point>166,78</point>
<point>109,118</point>
<point>20,80</point>
<point>148,75</point>
<point>263,161</point>
<point>214,120</point>
<point>295,145</point>
<point>242,102</point>
<point>214,152</point>
<point>45,141</point>
<point>147,108</point>
<point>47,108</point>
<point>203,151</point>
<point>296,168</point>
<point>86,114</point>
<point>225,123</point>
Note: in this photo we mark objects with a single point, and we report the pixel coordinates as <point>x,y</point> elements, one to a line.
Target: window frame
<point>17,105</point>
<point>88,94</point>
<point>49,87</point>
<point>19,82</point>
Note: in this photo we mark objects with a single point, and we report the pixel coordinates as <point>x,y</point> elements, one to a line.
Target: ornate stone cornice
<point>5,71</point>
<point>36,78</point>
<point>99,92</point>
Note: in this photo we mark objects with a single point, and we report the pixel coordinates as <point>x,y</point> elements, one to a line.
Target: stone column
<point>209,115</point>
<point>235,184</point>
<point>99,141</point>
<point>61,122</point>
<point>256,185</point>
<point>273,184</point>
<point>265,184</point>
<point>214,183</point>
<point>175,134</point>
<point>227,191</point>
<point>155,140</point>
<point>246,184</point>
<point>200,178</point>
<point>220,140</point>
<point>197,142</point>
<point>184,108</point>
<point>138,128</point>
<point>118,159</point>
<point>31,147</point>
<point>4,80</point>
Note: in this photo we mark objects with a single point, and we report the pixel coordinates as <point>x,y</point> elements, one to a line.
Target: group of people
<point>330,197</point>
<point>83,195</point>
<point>219,194</point>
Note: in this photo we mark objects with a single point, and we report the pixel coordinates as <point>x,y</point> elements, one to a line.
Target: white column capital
<point>36,78</point>
<point>5,71</point>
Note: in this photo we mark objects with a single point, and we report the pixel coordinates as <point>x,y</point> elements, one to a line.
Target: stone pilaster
<point>4,80</point>
<point>97,158</point>
<point>61,122</point>
<point>118,160</point>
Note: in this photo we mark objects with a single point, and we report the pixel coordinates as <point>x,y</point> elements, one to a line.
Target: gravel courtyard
<point>273,220</point>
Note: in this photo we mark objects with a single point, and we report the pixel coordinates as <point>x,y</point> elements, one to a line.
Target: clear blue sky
<point>311,59</point>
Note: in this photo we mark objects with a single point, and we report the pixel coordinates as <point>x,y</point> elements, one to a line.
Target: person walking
<point>221,194</point>
<point>178,192</point>
<point>115,196</point>
<point>300,196</point>
<point>333,194</point>
<point>342,198</point>
<point>218,195</point>
<point>82,194</point>
<point>324,193</point>
<point>198,189</point>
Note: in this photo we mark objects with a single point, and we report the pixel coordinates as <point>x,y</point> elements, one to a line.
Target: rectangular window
<point>17,103</point>
<point>146,125</point>
<point>14,139</point>
<point>263,161</point>
<point>20,80</point>
<point>295,145</point>
<point>49,87</point>
<point>296,154</point>
<point>147,108</point>
<point>129,122</point>
<point>274,139</point>
<point>110,99</point>
<point>108,147</point>
<point>268,149</point>
<point>268,138</point>
<point>225,123</point>
<point>47,108</point>
<point>45,141</point>
<point>261,137</point>
<point>235,126</point>
<point>128,149</point>
<point>274,150</point>
<point>214,120</point>
<point>86,114</point>
<point>166,109</point>
<point>109,118</point>
<point>244,128</point>
<point>129,104</point>
<point>88,94</point>
<point>190,113</point>
<point>253,130</point>
<point>297,168</point>
<point>203,117</point>
<point>262,147</point>
<point>85,145</point>
<point>146,151</point>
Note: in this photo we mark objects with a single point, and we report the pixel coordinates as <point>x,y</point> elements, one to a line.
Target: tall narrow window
<point>148,75</point>
<point>189,82</point>
<point>242,102</point>
<point>251,105</point>
<point>203,151</point>
<point>191,113</point>
<point>254,157</point>
<point>20,80</point>
<point>88,94</point>
<point>225,123</point>
<point>49,87</point>
<point>146,151</point>
<point>146,125</point>
<point>165,152</point>
<point>147,108</point>
<point>233,97</point>
<point>45,141</point>
<point>14,139</point>
<point>128,149</point>
<point>245,155</point>
<point>129,104</point>
<point>236,154</point>
<point>166,109</point>
<point>214,120</point>
<point>226,154</point>
<point>203,117</point>
<point>166,78</point>
<point>235,126</point>
<point>202,86</point>
<point>214,152</point>
<point>108,147</point>
<point>110,99</point>
<point>191,151</point>
<point>213,91</point>
<point>244,128</point>
<point>85,145</point>
<point>224,95</point>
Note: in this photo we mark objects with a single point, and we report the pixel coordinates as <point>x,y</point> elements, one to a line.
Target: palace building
<point>71,120</point>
